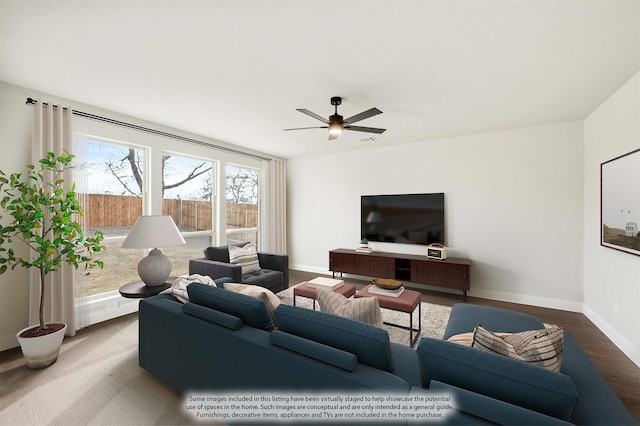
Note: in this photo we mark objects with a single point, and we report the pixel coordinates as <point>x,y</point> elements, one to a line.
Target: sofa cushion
<point>327,354</point>
<point>538,347</point>
<point>370,344</point>
<point>211,315</point>
<point>250,310</point>
<point>364,309</point>
<point>245,256</point>
<point>497,376</point>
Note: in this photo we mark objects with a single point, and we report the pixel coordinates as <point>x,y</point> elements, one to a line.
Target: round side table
<point>139,290</point>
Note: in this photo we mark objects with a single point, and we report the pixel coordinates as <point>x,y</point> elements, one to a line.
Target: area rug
<point>434,318</point>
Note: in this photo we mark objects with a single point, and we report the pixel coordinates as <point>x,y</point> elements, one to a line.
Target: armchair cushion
<point>266,278</point>
<point>246,257</point>
<point>274,272</point>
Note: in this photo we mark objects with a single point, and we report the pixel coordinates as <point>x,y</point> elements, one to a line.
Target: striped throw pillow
<point>363,309</point>
<point>246,256</point>
<point>539,347</point>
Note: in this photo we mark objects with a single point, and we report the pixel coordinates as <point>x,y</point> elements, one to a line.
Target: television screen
<point>405,218</point>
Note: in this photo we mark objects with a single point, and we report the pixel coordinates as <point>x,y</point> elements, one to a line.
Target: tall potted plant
<point>44,217</point>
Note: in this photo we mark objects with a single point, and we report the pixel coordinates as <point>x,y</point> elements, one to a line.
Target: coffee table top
<point>406,302</point>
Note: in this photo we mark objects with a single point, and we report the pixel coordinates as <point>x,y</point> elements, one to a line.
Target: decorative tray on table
<point>387,283</point>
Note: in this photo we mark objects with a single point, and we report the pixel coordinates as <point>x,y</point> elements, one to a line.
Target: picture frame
<point>620,203</point>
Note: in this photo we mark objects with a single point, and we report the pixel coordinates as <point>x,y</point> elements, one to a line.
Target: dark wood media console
<point>450,273</point>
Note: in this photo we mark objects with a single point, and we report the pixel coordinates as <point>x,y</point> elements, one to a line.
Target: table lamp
<point>152,232</point>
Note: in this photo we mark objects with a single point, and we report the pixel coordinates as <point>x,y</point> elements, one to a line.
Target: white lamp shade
<point>152,232</point>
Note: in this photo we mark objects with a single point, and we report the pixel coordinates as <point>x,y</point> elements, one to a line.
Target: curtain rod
<point>31,101</point>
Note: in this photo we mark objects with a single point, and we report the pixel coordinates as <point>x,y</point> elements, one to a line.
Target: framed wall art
<point>620,203</point>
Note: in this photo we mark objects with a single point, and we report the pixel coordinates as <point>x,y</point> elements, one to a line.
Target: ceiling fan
<point>336,124</point>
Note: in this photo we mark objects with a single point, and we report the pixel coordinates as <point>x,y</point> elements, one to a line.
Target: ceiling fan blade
<point>365,114</point>
<point>332,136</point>
<point>305,128</point>
<point>313,114</point>
<point>365,129</point>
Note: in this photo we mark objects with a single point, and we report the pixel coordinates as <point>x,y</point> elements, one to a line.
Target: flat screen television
<point>403,218</point>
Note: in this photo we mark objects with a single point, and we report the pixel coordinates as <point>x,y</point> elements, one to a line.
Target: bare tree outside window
<point>109,192</point>
<point>242,195</point>
<point>173,176</point>
<point>188,191</point>
<point>110,179</point>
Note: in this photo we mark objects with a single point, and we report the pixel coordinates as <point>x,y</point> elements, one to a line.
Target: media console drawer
<point>451,273</point>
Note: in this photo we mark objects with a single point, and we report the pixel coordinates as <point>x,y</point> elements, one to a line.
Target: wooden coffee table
<point>308,291</point>
<point>406,302</point>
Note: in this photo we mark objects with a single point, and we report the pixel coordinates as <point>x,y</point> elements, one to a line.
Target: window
<point>109,180</point>
<point>188,196</point>
<point>242,196</point>
<point>122,173</point>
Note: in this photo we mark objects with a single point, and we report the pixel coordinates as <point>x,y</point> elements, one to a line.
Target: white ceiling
<point>237,70</point>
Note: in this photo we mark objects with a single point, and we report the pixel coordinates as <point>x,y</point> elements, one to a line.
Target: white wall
<point>15,138</point>
<point>611,277</point>
<point>513,206</point>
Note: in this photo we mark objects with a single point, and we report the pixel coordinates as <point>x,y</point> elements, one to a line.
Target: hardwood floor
<point>97,380</point>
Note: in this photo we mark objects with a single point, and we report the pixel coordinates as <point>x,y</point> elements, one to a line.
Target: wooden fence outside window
<point>105,210</point>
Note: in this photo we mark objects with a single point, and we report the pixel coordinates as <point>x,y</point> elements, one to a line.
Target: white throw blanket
<point>179,286</point>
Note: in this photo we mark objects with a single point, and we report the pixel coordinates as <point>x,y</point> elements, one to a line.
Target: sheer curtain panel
<point>52,132</point>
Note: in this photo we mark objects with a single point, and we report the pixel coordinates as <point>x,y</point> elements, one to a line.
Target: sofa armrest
<point>497,376</point>
<point>485,408</point>
<point>215,269</point>
<point>275,262</point>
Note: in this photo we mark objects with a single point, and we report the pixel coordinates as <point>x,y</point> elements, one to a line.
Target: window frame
<point>109,305</point>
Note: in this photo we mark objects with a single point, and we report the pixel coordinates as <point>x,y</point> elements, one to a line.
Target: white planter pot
<point>42,351</point>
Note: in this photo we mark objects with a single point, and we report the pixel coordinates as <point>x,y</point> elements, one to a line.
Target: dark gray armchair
<point>273,273</point>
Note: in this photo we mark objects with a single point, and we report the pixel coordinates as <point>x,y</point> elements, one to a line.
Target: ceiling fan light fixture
<point>335,128</point>
<point>337,123</point>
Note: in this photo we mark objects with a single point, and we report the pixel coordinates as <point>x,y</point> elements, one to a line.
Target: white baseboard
<point>618,339</point>
<point>8,341</point>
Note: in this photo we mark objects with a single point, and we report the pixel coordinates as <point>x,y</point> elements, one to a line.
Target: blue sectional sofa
<point>578,394</point>
<point>223,341</point>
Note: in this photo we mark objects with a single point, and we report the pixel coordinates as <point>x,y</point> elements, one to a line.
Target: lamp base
<point>155,268</point>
